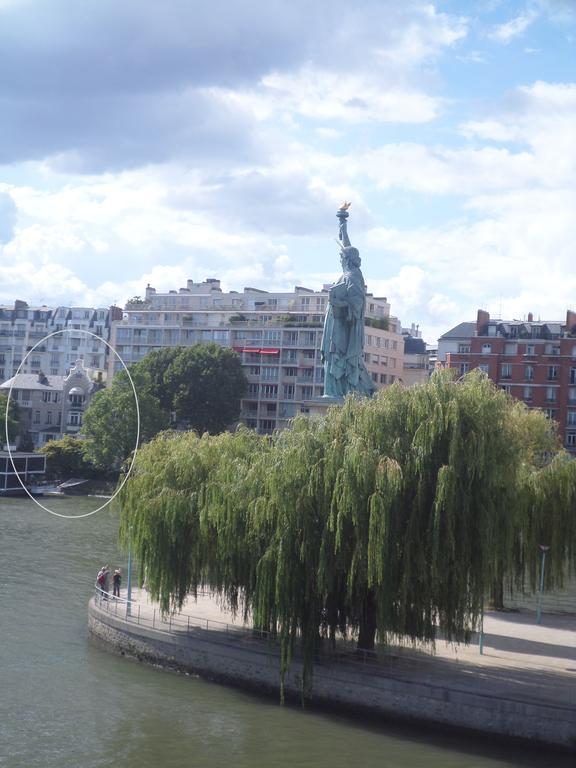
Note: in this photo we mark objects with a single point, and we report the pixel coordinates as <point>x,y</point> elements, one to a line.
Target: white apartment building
<point>277,335</point>
<point>22,327</point>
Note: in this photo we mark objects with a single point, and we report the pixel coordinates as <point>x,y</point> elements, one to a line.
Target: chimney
<point>571,321</point>
<point>482,320</point>
<point>530,317</point>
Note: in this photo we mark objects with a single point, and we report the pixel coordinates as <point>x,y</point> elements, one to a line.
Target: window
<point>269,390</point>
<point>574,351</point>
<point>375,377</point>
<point>510,348</point>
<point>506,371</point>
<point>486,349</point>
<point>289,391</point>
<point>463,349</point>
<point>251,423</point>
<point>383,378</point>
<point>530,349</point>
<point>551,413</point>
<point>552,372</point>
<point>369,340</point>
<point>506,388</point>
<point>267,425</point>
<point>270,373</point>
<point>571,439</point>
<point>271,337</point>
<point>46,396</point>
<point>527,393</point>
<point>529,373</point>
<point>551,349</point>
<point>572,375</point>
<point>253,389</point>
<point>571,418</point>
<point>551,394</point>
<point>307,393</point>
<point>572,394</point>
<point>290,337</point>
<point>394,345</point>
<point>485,368</point>
<point>254,370</point>
<point>36,417</point>
<point>270,407</point>
<point>463,368</point>
<point>74,419</point>
<point>290,371</point>
<point>384,360</point>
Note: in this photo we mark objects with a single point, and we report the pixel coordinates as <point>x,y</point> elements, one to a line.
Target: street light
<point>129,579</point>
<point>543,549</point>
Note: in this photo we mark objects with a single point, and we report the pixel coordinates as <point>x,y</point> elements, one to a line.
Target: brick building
<point>535,361</point>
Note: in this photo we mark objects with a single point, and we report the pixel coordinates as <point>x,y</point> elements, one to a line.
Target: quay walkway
<point>522,685</point>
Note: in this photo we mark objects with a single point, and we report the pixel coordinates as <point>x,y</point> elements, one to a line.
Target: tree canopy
<point>202,384</point>
<point>110,423</point>
<point>13,418</point>
<point>390,517</point>
<point>65,458</point>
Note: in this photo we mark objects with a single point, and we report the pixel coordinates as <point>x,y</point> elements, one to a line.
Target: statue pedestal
<point>319,405</point>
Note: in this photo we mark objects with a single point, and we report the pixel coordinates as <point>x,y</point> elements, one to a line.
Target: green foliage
<point>13,418</point>
<point>377,322</point>
<point>390,517</point>
<point>202,384</point>
<point>65,459</point>
<point>110,423</point>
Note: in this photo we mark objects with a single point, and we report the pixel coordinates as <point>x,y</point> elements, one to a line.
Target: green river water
<point>65,703</point>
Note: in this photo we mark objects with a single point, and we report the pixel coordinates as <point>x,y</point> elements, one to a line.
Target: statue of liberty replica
<point>343,339</point>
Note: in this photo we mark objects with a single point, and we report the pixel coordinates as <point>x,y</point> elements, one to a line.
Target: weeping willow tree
<point>389,518</point>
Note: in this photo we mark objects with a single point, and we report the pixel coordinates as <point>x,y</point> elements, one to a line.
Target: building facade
<point>534,361</point>
<point>277,335</point>
<point>50,407</point>
<point>22,328</point>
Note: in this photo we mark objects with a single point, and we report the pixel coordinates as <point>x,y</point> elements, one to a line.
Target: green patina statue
<point>343,339</point>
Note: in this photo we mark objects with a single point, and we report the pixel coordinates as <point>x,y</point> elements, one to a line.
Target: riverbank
<point>522,687</point>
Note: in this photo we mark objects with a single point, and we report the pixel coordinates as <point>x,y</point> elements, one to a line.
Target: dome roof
<point>76,391</point>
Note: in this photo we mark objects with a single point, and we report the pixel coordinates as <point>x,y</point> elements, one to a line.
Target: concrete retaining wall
<point>250,663</point>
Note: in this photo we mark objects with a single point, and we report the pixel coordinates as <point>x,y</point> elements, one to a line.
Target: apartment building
<point>535,361</point>
<point>22,327</point>
<point>277,335</point>
<point>50,407</point>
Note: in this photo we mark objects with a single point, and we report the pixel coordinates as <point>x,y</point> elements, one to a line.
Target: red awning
<point>251,349</point>
<point>269,351</point>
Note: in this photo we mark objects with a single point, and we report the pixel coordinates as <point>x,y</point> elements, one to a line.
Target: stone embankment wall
<point>247,661</point>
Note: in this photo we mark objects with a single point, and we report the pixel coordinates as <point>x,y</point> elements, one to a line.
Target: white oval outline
<point>117,491</point>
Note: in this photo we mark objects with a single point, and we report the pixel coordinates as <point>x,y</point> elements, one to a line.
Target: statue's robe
<point>343,339</point>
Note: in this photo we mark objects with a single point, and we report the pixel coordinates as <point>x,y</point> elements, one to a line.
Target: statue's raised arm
<point>343,229</point>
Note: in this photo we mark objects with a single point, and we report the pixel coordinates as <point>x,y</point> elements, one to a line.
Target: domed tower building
<point>77,392</point>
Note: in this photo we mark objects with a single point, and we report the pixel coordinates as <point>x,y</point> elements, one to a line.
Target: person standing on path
<point>116,582</point>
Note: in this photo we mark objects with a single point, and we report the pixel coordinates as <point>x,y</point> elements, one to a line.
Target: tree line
<point>197,388</point>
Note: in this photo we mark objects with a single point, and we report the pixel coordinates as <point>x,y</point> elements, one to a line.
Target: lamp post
<point>129,578</point>
<point>543,549</point>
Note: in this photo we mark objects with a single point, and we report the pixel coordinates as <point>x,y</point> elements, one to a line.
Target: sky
<point>151,143</point>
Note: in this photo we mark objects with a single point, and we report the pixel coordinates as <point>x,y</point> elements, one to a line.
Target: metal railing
<point>135,612</point>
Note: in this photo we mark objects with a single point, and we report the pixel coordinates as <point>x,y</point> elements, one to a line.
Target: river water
<point>65,703</point>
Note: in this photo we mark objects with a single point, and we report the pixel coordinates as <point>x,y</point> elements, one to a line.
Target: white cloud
<point>505,33</point>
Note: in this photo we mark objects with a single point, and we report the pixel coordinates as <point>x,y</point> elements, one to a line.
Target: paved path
<point>521,661</point>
